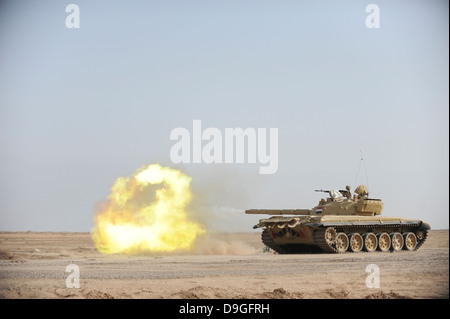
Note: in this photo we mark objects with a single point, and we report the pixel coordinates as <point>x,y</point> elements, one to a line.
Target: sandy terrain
<point>32,265</point>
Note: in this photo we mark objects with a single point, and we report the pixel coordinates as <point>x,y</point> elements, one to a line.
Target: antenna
<point>359,168</point>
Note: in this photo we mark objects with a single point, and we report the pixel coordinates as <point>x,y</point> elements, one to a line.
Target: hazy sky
<point>81,107</point>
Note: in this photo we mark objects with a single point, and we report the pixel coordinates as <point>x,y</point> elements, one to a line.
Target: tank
<point>338,224</point>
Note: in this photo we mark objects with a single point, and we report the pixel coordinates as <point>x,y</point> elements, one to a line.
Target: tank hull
<point>339,233</point>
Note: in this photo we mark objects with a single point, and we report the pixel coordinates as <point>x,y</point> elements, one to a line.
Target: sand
<point>33,265</point>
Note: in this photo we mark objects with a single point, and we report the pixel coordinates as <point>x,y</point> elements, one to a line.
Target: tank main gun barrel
<point>322,190</point>
<point>279,211</point>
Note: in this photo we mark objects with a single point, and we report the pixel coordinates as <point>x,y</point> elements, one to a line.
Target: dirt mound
<point>336,294</point>
<point>384,295</point>
<point>83,294</point>
<point>202,292</point>
<point>97,294</point>
<point>280,293</point>
<point>5,255</point>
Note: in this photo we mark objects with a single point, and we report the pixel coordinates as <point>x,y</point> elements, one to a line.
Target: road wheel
<point>342,242</point>
<point>384,242</point>
<point>330,235</point>
<point>356,243</point>
<point>370,242</point>
<point>397,241</point>
<point>410,241</point>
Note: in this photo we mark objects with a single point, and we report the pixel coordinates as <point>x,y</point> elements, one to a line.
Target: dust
<point>220,197</point>
<point>222,244</point>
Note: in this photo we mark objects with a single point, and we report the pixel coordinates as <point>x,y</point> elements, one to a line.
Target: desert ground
<point>33,265</point>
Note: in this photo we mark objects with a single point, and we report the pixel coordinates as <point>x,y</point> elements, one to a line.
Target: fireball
<point>146,213</point>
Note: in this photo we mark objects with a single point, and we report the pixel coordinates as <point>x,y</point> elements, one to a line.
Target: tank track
<point>421,241</point>
<point>268,241</point>
<point>321,242</point>
<point>319,239</point>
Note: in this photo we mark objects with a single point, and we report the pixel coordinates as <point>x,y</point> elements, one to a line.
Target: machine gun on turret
<point>335,193</point>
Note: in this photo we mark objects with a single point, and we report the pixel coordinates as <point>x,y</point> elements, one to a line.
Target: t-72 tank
<point>338,224</point>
